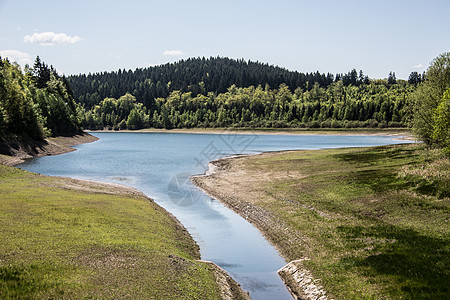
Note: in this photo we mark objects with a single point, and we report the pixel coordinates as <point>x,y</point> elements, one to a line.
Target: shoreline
<point>395,132</point>
<point>298,280</point>
<point>15,151</point>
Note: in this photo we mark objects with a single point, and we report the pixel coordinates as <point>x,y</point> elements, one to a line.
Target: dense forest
<point>373,104</point>
<point>221,92</point>
<point>198,76</point>
<point>36,103</point>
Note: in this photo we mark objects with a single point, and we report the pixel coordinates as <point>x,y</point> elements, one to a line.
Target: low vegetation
<point>63,238</point>
<point>372,221</point>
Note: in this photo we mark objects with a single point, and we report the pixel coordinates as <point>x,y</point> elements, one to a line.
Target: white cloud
<point>173,52</point>
<point>20,57</point>
<point>419,66</point>
<point>51,38</point>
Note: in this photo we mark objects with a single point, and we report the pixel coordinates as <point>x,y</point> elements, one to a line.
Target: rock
<point>300,281</point>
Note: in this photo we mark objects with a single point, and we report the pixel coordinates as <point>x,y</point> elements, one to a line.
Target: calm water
<point>160,164</point>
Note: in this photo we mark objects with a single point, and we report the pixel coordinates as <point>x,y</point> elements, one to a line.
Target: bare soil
<point>401,134</point>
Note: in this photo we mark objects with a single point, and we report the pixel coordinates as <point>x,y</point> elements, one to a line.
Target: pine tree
<point>391,78</point>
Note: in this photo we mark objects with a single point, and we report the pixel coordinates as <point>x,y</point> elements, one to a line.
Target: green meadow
<point>63,238</point>
<point>374,221</point>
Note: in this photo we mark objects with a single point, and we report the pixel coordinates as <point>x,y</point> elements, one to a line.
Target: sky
<point>82,36</point>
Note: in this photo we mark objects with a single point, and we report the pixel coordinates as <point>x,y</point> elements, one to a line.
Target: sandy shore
<point>394,132</point>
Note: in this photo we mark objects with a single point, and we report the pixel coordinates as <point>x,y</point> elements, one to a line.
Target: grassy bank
<point>374,222</point>
<point>64,238</point>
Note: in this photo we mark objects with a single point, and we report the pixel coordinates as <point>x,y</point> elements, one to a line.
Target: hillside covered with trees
<point>377,104</point>
<point>221,92</point>
<point>36,103</point>
<point>195,75</point>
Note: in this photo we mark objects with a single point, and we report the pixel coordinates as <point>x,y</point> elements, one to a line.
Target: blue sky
<point>328,36</point>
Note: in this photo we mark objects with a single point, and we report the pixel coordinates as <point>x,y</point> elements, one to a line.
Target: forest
<point>201,76</point>
<point>195,75</point>
<point>36,103</point>
<point>222,92</point>
<point>373,104</point>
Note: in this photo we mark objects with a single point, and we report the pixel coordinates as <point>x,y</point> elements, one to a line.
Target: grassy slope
<point>375,221</point>
<point>62,238</point>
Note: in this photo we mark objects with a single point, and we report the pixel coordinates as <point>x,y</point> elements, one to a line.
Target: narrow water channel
<point>160,165</point>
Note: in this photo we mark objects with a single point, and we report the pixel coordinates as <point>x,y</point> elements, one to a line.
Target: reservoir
<point>160,165</point>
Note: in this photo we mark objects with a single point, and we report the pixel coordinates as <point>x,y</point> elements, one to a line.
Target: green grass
<point>58,241</point>
<point>375,220</point>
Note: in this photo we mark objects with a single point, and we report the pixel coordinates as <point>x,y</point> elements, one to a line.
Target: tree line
<point>374,103</point>
<point>36,103</point>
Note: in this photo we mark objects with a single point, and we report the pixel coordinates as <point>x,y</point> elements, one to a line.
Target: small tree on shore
<point>431,106</point>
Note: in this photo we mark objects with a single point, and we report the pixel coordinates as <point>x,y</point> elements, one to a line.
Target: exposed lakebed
<point>160,165</point>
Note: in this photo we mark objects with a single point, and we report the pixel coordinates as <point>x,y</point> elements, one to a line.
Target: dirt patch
<point>234,186</point>
<point>15,151</point>
<point>89,186</point>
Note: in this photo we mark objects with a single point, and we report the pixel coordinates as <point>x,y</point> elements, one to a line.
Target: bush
<point>314,124</point>
<point>336,124</point>
<point>395,124</point>
<point>326,124</point>
<point>373,124</point>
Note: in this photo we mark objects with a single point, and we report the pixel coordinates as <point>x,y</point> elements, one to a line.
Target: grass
<point>61,238</point>
<point>375,221</point>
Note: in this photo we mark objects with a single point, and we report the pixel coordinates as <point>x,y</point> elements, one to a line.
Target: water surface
<point>160,164</point>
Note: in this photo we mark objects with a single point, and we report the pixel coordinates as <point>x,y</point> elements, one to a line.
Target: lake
<point>160,165</point>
